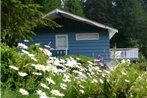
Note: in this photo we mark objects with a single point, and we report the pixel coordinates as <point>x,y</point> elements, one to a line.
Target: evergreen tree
<point>99,10</point>
<point>130,20</point>
<point>128,16</point>
<point>74,6</point>
<point>145,4</point>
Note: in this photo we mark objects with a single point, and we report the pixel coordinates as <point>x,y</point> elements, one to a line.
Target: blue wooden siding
<point>44,38</point>
<point>91,48</point>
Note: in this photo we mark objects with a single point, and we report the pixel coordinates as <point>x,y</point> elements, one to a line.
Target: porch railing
<point>124,53</point>
<point>59,52</point>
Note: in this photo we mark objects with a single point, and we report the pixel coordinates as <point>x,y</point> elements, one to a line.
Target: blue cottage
<point>76,35</point>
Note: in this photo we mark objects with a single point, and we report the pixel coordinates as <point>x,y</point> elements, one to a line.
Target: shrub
<point>11,57</point>
<point>32,72</point>
<point>141,66</point>
<point>139,87</point>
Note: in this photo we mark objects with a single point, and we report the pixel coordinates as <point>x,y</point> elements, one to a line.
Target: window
<point>61,42</point>
<point>87,36</point>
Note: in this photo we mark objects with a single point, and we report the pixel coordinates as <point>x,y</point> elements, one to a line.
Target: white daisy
<point>101,81</point>
<point>43,95</point>
<point>39,92</point>
<point>14,67</point>
<point>57,93</point>
<point>50,81</point>
<point>63,86</point>
<point>44,86</point>
<point>47,52</point>
<point>127,81</point>
<point>123,73</point>
<point>123,61</point>
<point>34,59</point>
<point>36,73</point>
<point>22,74</point>
<point>50,68</point>
<point>26,40</point>
<point>40,67</point>
<point>23,91</point>
<point>94,81</point>
<point>21,45</point>
<point>82,91</point>
<point>81,86</point>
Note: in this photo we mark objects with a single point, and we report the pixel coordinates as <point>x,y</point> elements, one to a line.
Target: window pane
<point>87,36</point>
<point>61,41</point>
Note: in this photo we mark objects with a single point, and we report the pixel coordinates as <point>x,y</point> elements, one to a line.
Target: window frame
<point>87,38</point>
<point>66,35</point>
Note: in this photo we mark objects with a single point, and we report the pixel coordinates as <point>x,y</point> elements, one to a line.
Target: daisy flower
<point>23,91</point>
<point>14,67</point>
<point>22,74</point>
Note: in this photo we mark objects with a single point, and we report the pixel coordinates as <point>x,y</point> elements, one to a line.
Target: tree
<point>48,5</point>
<point>19,18</point>
<point>128,16</point>
<point>145,4</point>
<point>73,6</point>
<point>130,20</point>
<point>99,10</point>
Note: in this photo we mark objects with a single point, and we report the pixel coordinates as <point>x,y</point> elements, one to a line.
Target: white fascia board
<point>51,15</point>
<point>111,33</point>
<point>54,14</point>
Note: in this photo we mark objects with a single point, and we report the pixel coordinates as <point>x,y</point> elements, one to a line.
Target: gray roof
<point>55,14</point>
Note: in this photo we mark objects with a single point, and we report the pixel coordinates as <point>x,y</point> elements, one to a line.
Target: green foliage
<point>19,18</point>
<point>82,76</point>
<point>138,91</point>
<point>48,5</point>
<point>99,10</point>
<point>74,6</point>
<point>140,66</point>
<point>145,4</point>
<point>39,55</point>
<point>129,17</point>
<point>8,93</point>
<point>10,56</point>
<point>123,77</point>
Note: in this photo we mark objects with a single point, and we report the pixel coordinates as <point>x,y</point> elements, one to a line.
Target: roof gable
<point>58,13</point>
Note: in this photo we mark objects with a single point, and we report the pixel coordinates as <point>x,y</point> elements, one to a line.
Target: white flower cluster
<point>65,71</point>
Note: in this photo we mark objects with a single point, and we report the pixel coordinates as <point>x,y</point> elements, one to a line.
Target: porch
<point>115,53</point>
<point>124,53</point>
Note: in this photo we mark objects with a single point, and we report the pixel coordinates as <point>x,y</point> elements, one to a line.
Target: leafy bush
<point>32,72</point>
<point>11,57</point>
<point>139,91</point>
<point>141,66</point>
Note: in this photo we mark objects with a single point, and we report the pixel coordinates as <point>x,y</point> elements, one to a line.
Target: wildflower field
<point>32,72</point>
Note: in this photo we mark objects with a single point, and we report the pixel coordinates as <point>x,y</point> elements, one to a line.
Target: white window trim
<point>66,41</point>
<point>87,38</point>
